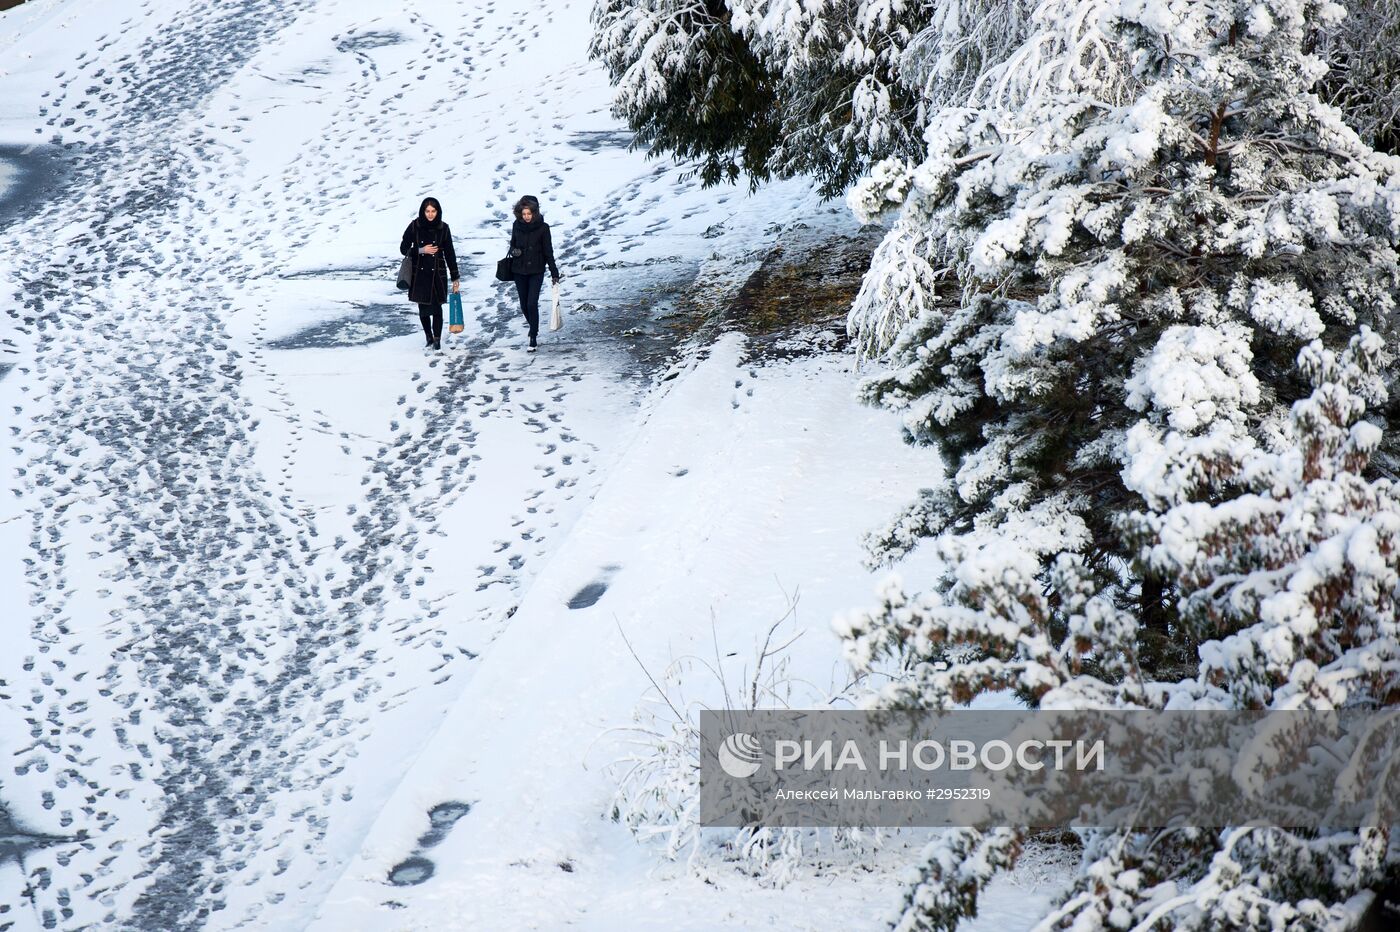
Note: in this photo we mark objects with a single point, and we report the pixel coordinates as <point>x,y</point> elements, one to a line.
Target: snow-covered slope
<point>733,495</point>
<point>275,583</point>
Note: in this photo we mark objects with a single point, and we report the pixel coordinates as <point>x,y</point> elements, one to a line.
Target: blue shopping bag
<point>454,313</point>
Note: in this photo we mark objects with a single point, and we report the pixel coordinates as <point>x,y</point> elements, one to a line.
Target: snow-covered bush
<point>658,791</point>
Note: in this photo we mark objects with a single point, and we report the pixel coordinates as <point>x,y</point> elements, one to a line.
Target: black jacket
<point>536,248</point>
<point>429,272</point>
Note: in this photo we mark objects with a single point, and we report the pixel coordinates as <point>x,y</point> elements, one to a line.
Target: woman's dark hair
<point>531,202</point>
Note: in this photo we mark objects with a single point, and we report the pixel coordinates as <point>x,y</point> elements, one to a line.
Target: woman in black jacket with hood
<point>429,242</point>
<point>531,251</point>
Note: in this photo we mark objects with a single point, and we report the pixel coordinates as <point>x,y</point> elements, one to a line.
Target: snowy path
<point>154,515</point>
<point>226,549</point>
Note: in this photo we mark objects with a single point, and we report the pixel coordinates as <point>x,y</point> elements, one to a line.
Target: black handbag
<point>405,280</point>
<point>504,272</point>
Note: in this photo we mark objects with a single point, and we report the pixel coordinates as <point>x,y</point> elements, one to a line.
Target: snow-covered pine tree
<point>764,88</point>
<point>1296,577</point>
<point>1126,268</point>
<point>781,88</point>
<point>688,84</point>
<point>1286,557</point>
<point>948,61</point>
<point>844,103</point>
<point>1363,57</point>
<point>976,59</point>
<point>1160,491</point>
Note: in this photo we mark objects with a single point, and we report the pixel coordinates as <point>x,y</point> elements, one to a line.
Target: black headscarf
<point>422,216</point>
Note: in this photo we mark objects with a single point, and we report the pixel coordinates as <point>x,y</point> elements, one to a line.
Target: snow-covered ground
<point>276,584</point>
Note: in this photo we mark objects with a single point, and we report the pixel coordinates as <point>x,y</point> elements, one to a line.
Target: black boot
<point>437,344</point>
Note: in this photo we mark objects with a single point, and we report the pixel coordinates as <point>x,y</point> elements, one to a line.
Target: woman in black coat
<point>429,242</point>
<point>531,251</point>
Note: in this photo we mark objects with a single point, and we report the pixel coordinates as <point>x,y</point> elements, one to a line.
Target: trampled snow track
<point>139,449</point>
<point>138,433</point>
<point>193,778</point>
<point>205,656</point>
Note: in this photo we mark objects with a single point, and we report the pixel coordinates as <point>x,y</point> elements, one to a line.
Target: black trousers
<point>430,316</point>
<point>529,288</point>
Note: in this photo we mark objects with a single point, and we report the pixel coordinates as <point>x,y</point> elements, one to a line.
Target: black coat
<point>536,249</point>
<point>429,272</point>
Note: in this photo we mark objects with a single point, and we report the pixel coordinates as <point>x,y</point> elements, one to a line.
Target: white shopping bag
<point>556,319</point>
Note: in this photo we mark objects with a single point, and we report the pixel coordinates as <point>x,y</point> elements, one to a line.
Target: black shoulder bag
<point>406,266</point>
<point>503,266</point>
